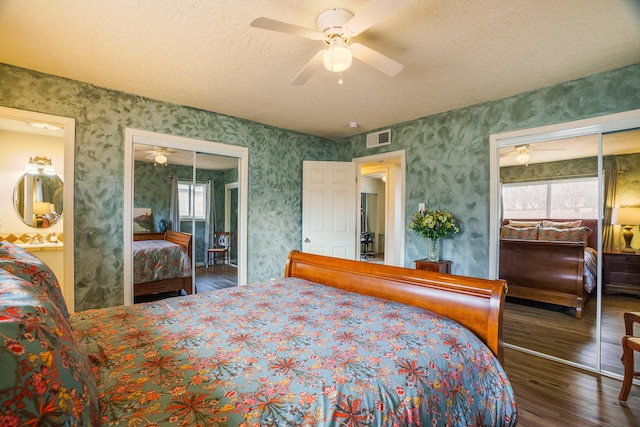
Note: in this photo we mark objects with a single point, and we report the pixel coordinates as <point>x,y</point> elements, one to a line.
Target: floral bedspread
<point>159,259</point>
<point>290,353</point>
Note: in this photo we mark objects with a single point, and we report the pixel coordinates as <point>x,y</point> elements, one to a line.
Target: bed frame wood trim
<point>477,304</point>
<point>165,285</point>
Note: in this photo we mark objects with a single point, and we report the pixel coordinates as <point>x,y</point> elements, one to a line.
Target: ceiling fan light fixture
<point>522,158</point>
<point>338,57</point>
<point>161,159</point>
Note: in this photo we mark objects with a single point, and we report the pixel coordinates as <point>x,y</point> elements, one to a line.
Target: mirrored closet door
<point>569,190</point>
<point>179,190</point>
<point>549,197</point>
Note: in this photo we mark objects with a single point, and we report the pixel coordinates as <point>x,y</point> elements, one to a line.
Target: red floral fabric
<point>290,353</point>
<point>45,379</point>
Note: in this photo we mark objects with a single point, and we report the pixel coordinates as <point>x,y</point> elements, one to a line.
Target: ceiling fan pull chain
<point>340,80</point>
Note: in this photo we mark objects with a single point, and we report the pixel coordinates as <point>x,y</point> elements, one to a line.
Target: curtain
<point>610,190</point>
<point>210,221</point>
<point>174,209</point>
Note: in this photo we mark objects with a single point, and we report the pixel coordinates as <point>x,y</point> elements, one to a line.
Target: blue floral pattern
<point>159,259</point>
<point>289,352</point>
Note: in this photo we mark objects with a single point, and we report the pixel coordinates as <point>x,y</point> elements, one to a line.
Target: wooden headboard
<point>475,303</point>
<point>592,224</point>
<point>177,237</point>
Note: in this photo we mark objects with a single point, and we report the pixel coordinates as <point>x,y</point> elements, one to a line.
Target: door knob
<point>306,240</point>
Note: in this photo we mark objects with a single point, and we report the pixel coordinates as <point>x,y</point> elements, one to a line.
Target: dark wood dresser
<point>621,273</point>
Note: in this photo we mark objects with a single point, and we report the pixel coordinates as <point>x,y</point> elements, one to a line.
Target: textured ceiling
<point>204,54</point>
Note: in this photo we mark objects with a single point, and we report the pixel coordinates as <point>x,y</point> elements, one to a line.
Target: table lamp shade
<point>41,208</point>
<point>626,217</point>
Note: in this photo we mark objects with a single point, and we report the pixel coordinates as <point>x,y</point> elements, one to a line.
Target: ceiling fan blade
<point>283,27</point>
<point>376,59</point>
<point>371,14</point>
<point>314,64</point>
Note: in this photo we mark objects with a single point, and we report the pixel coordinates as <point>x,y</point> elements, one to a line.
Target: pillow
<point>518,233</point>
<point>46,378</point>
<point>579,234</point>
<point>37,275</point>
<point>513,223</point>
<point>565,224</point>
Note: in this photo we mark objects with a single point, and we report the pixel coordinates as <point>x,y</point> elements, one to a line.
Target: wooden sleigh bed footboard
<point>475,303</point>
<point>543,271</point>
<point>170,284</point>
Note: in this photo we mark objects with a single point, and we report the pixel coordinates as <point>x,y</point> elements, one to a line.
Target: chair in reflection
<point>366,240</point>
<point>220,248</point>
<point>630,344</point>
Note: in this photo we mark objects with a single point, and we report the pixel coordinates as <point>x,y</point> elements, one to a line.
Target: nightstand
<point>441,266</point>
<point>621,273</point>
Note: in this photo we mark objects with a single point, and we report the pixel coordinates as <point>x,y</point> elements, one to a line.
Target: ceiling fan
<point>335,28</point>
<point>522,152</point>
<point>159,155</point>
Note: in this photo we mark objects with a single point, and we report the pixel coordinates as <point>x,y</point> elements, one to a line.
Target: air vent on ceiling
<point>377,139</point>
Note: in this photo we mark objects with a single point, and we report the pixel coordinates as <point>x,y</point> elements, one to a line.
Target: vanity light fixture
<point>39,164</point>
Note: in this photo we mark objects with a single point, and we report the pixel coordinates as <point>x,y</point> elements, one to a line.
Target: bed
<point>161,262</point>
<point>550,260</point>
<point>333,342</point>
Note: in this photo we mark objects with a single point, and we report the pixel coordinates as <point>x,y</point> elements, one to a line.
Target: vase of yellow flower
<point>433,225</point>
<point>433,249</point>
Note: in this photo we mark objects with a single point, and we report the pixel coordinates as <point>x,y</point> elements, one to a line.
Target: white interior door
<point>329,209</point>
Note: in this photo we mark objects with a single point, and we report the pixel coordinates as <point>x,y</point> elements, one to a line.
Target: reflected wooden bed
<point>549,271</point>
<point>167,284</point>
<point>475,303</point>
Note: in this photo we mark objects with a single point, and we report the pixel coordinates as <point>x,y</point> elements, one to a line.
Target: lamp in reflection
<point>627,217</point>
<point>40,209</point>
<point>38,165</point>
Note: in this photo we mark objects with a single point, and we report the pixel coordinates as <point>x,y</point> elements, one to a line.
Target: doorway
<point>53,130</point>
<point>197,153</point>
<point>383,175</point>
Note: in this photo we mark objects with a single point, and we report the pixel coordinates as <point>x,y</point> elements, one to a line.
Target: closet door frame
<point>596,125</point>
<point>136,136</point>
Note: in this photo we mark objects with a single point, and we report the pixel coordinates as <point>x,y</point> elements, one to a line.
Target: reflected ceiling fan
<point>335,28</point>
<point>522,152</point>
<point>159,155</point>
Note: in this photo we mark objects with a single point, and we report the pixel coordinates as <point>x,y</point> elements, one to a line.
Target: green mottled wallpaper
<point>448,154</point>
<point>447,164</point>
<point>152,189</point>
<point>275,171</point>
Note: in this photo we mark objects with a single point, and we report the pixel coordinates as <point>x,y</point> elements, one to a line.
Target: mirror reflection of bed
<point>194,206</point>
<point>564,174</point>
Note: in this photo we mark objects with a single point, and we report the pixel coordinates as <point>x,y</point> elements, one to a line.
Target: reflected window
<point>187,191</point>
<point>572,198</point>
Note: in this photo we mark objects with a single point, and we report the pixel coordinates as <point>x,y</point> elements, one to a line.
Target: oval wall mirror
<point>37,200</point>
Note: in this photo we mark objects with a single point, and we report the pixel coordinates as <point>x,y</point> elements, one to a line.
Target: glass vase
<point>433,249</point>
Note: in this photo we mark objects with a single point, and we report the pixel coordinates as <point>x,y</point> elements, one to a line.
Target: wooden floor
<point>555,331</point>
<point>552,394</point>
<point>207,280</point>
<point>215,277</point>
